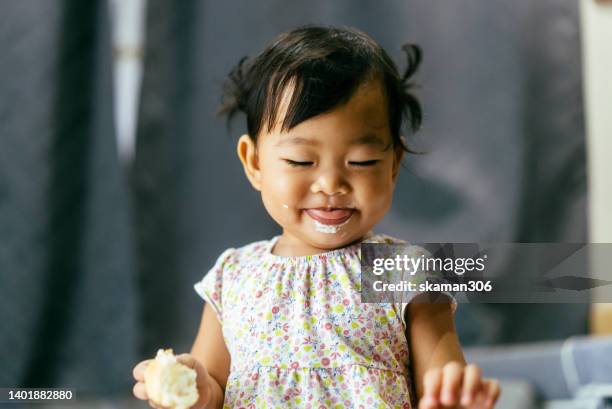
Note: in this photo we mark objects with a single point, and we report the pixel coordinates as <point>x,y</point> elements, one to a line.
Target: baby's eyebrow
<point>296,140</point>
<point>371,140</point>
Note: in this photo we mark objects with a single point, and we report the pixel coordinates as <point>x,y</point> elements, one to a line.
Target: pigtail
<point>412,105</point>
<point>235,92</point>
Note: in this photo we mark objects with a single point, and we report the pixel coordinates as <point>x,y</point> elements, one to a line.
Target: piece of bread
<point>170,383</point>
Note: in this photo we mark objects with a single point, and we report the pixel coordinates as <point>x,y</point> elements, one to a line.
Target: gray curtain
<point>67,285</point>
<point>501,89</point>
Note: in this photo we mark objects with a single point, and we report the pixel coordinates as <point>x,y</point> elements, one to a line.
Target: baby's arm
<point>442,378</point>
<point>209,348</point>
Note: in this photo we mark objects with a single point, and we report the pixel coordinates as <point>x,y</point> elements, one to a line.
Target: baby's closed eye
<point>296,163</point>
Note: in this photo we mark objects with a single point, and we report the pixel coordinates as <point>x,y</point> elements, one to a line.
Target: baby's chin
<point>327,240</point>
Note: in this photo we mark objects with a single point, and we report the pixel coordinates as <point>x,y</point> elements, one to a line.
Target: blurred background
<point>119,187</point>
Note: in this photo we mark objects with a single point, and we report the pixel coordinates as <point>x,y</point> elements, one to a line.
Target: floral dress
<point>299,335</point>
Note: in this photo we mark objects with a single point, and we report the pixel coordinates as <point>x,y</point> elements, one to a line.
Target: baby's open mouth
<point>330,216</point>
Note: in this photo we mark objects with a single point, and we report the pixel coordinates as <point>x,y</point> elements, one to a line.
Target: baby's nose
<point>331,182</point>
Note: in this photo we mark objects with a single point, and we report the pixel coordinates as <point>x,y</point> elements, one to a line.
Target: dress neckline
<point>352,249</point>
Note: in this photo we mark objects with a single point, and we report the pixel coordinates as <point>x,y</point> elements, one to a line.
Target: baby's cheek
<point>283,198</point>
<point>377,196</point>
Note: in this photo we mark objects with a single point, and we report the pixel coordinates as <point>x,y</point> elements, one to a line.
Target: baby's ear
<point>247,153</point>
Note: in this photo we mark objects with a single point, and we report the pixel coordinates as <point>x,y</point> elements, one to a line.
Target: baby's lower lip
<point>335,216</point>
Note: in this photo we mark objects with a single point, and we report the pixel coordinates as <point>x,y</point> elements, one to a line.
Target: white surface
<point>597,56</point>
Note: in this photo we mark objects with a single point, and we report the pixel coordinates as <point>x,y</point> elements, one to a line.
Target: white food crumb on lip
<point>330,228</point>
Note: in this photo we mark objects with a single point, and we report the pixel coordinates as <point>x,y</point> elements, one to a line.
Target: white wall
<point>597,53</point>
<point>597,58</point>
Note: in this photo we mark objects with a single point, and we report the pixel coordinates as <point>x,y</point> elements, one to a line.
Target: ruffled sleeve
<point>210,288</point>
<point>407,298</point>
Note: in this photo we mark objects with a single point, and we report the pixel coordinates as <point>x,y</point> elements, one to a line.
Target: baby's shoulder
<point>404,246</point>
<point>381,238</point>
<point>236,257</point>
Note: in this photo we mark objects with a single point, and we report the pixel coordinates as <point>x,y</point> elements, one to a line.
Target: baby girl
<point>283,325</point>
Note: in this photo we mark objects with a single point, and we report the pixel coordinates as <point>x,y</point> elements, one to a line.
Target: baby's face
<point>330,179</point>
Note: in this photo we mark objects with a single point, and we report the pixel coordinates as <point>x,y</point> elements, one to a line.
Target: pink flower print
<point>258,294</point>
<point>275,309</point>
<point>291,392</point>
<point>335,355</point>
<point>328,326</point>
<point>346,301</point>
<point>325,361</point>
<point>215,295</point>
<point>295,365</point>
<point>255,376</point>
<point>286,327</point>
<point>376,357</point>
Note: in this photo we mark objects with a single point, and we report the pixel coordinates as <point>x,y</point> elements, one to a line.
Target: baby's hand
<point>458,386</point>
<point>202,381</point>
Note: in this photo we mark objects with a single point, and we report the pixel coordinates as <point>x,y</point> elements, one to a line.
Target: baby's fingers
<point>471,384</point>
<point>487,395</point>
<point>139,370</point>
<point>451,384</point>
<point>432,382</point>
<point>492,390</point>
<point>140,391</point>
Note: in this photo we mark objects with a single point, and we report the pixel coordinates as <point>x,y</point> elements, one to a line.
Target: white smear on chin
<point>329,228</point>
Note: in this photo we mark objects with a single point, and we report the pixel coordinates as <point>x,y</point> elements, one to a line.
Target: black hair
<point>325,65</point>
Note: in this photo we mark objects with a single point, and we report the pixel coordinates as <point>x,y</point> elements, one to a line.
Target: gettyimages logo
<point>488,272</point>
